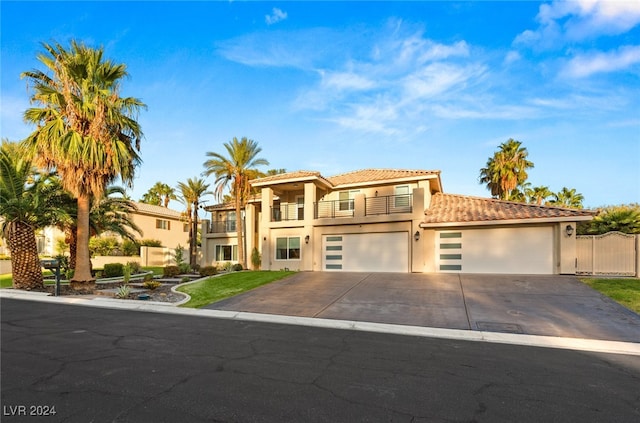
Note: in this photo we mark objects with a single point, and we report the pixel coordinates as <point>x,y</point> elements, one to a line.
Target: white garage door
<point>377,252</point>
<point>497,250</point>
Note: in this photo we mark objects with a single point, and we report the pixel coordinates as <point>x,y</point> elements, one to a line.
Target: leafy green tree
<point>623,218</point>
<point>23,208</point>
<point>238,167</point>
<point>567,198</point>
<point>85,131</point>
<point>506,170</point>
<point>191,193</point>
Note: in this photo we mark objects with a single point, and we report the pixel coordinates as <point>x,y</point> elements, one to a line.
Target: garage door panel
<point>499,250</point>
<point>374,252</point>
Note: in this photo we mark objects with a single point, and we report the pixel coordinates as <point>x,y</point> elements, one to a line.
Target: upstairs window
<point>163,224</point>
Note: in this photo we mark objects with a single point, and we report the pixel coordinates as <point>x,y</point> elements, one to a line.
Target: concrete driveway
<point>534,305</point>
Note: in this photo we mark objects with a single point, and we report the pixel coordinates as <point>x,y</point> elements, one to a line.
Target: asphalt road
<point>102,365</point>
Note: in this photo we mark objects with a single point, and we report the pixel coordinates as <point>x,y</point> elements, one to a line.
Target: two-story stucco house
<point>387,220</point>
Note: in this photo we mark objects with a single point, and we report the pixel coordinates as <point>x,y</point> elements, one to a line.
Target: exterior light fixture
<point>306,239</point>
<point>569,230</point>
<point>416,236</point>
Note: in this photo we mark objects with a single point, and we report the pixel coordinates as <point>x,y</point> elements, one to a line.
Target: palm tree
<point>238,167</point>
<point>23,208</point>
<point>539,194</point>
<point>191,193</point>
<point>622,218</point>
<point>85,131</point>
<point>506,170</point>
<point>567,198</point>
<point>160,194</point>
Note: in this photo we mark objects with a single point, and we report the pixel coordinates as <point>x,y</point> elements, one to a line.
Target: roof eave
<point>506,222</point>
<point>388,181</point>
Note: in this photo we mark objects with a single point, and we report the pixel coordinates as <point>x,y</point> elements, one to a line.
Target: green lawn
<point>6,281</point>
<point>626,291</point>
<point>220,287</point>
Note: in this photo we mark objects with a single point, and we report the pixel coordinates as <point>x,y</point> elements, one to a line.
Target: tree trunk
<point>25,264</point>
<point>71,238</point>
<point>82,279</point>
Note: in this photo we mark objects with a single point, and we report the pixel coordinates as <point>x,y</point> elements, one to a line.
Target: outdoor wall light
<point>306,239</point>
<point>569,230</point>
<point>416,236</point>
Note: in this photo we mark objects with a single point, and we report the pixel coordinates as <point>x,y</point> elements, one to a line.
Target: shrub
<point>134,266</point>
<point>256,260</point>
<point>130,248</point>
<point>103,246</point>
<point>148,277</point>
<point>237,267</point>
<point>126,273</point>
<point>112,270</point>
<point>185,279</point>
<point>151,284</point>
<point>208,271</point>
<point>150,243</point>
<point>184,268</point>
<point>170,271</point>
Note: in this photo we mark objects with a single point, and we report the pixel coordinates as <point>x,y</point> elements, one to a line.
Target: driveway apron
<point>530,304</point>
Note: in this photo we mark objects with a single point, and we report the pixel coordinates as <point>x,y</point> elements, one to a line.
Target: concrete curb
<point>577,344</point>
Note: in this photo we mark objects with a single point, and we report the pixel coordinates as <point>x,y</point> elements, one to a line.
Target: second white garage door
<point>375,252</point>
<point>525,250</point>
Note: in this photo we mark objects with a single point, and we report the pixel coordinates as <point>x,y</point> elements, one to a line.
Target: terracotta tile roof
<point>144,208</point>
<point>372,175</point>
<point>299,174</point>
<point>349,178</point>
<point>452,208</point>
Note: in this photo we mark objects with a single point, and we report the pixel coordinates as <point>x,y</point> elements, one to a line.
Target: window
<point>226,252</point>
<point>346,199</point>
<point>402,196</point>
<point>288,248</point>
<point>163,224</point>
<point>185,227</point>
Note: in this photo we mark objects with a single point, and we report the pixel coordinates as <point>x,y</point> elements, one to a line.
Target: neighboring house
<point>158,223</point>
<point>385,220</point>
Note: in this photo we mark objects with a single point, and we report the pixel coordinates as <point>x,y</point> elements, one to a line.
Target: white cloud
<point>571,21</point>
<point>585,65</point>
<point>276,16</point>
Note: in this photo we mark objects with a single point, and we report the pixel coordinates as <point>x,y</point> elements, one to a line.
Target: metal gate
<point>613,253</point>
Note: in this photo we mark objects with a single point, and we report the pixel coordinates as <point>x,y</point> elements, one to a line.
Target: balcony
<point>373,206</point>
<point>285,212</point>
<point>388,204</point>
<point>335,208</point>
<point>222,227</point>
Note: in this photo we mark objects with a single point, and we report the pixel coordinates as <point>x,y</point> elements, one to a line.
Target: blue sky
<point>341,86</point>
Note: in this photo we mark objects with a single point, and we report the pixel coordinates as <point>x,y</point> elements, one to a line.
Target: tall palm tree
<point>506,170</point>
<point>85,131</point>
<point>539,194</point>
<point>191,193</point>
<point>567,198</point>
<point>160,194</point>
<point>237,168</point>
<point>23,208</point>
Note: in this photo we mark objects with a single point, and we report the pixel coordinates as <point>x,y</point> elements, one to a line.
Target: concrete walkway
<point>559,306</point>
